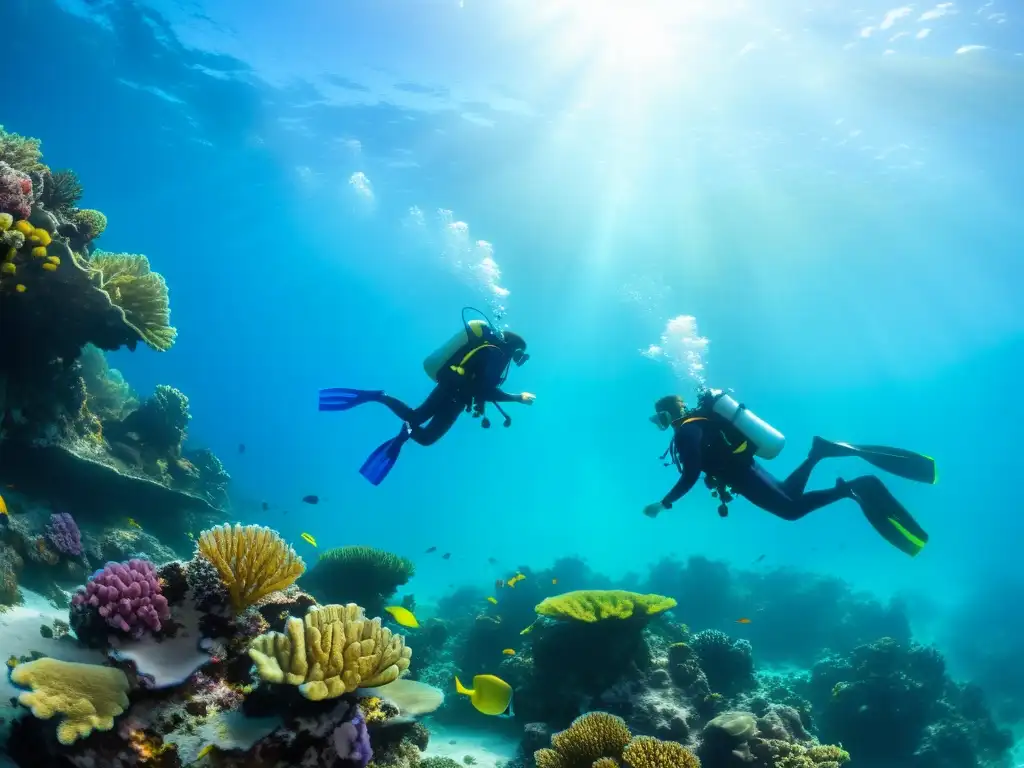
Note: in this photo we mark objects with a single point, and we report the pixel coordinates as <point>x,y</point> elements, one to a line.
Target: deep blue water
<point>831,192</point>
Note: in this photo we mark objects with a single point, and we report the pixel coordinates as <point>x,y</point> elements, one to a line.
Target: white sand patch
<point>487,748</point>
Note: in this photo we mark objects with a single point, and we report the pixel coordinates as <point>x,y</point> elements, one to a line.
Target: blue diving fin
<point>380,462</point>
<point>342,399</point>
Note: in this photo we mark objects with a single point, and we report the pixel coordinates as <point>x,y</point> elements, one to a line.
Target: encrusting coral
<point>253,561</point>
<point>333,650</point>
<point>87,695</point>
<point>139,292</point>
<point>594,605</point>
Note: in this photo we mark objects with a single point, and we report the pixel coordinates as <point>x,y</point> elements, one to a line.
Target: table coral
<point>253,561</point>
<point>87,695</point>
<point>333,650</point>
<point>600,604</point>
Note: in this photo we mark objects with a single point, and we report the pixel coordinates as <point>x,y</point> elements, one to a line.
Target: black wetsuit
<point>699,446</point>
<point>454,394</point>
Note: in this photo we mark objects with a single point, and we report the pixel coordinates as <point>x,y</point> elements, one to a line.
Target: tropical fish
<point>529,629</point>
<point>490,695</point>
<point>509,652</point>
<point>265,506</point>
<point>446,556</point>
<point>3,506</point>
<point>403,616</point>
<point>432,549</point>
<point>132,524</point>
<point>204,751</point>
<point>492,561</point>
<point>307,538</point>
<point>311,499</point>
<point>554,581</point>
<point>492,600</point>
<point>515,580</point>
<point>743,621</point>
<point>759,559</point>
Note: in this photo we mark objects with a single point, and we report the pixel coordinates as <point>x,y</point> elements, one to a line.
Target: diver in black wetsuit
<point>469,370</point>
<point>719,439</point>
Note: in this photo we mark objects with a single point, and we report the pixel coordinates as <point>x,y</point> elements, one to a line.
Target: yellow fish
<point>403,616</point>
<point>490,695</point>
<point>509,652</point>
<point>515,580</point>
<point>529,629</point>
<point>12,662</point>
<point>205,751</point>
<point>554,581</point>
<point>3,506</point>
<point>191,535</point>
<point>132,524</point>
<point>492,600</point>
<point>306,537</point>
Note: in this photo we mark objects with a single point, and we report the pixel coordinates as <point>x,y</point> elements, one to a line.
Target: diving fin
<point>895,461</point>
<point>887,515</point>
<point>342,399</point>
<point>380,462</point>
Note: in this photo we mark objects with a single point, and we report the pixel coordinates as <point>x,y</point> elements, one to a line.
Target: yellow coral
<point>140,293</point>
<point>6,221</point>
<point>8,268</point>
<point>548,758</point>
<point>40,236</point>
<point>20,288</point>
<point>648,752</point>
<point>39,252</point>
<point>54,260</point>
<point>253,561</point>
<point>606,762</point>
<point>591,736</point>
<point>333,650</point>
<point>89,696</point>
<point>592,605</point>
<point>24,227</point>
<point>11,253</point>
<point>50,267</point>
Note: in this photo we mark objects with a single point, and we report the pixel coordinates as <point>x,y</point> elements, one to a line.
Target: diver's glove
<point>527,398</point>
<point>653,510</point>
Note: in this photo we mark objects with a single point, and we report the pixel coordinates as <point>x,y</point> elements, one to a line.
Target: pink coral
<point>15,192</point>
<point>127,596</point>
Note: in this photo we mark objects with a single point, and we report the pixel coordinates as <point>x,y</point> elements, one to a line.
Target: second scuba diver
<point>721,437</point>
<point>469,370</point>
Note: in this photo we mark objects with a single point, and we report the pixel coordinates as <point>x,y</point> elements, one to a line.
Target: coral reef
<point>600,740</point>
<point>126,596</point>
<point>361,575</point>
<point>728,664</point>
<point>64,535</point>
<point>252,561</point>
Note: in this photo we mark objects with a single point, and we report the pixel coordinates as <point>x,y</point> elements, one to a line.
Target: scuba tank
<point>473,331</point>
<point>768,441</point>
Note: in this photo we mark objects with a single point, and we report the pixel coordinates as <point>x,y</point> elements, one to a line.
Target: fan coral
<point>252,561</point>
<point>648,752</point>
<point>89,696</point>
<point>362,575</point>
<point>126,595</point>
<point>598,605</point>
<point>15,192</point>
<point>20,152</point>
<point>140,293</point>
<point>352,741</point>
<point>333,650</point>
<point>63,533</point>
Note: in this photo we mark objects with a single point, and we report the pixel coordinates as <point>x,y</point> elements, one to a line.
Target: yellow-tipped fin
<point>460,688</point>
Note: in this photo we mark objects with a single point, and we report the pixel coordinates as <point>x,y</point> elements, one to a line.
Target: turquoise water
<point>832,193</point>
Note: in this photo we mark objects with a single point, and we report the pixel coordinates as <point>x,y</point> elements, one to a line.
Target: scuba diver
<point>721,438</point>
<point>469,370</point>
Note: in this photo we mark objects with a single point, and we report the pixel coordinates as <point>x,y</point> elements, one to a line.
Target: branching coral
<point>363,575</point>
<point>139,292</point>
<point>597,605</point>
<point>253,561</point>
<point>333,650</point>
<point>87,695</point>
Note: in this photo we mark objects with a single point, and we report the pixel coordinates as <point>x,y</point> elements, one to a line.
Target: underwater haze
<point>815,206</point>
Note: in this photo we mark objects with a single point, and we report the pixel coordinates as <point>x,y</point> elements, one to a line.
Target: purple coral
<point>15,192</point>
<point>352,741</point>
<point>63,533</point>
<point>127,596</point>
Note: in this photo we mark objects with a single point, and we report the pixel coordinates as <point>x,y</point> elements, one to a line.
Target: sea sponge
<point>333,650</point>
<point>362,575</point>
<point>89,696</point>
<point>253,561</point>
<point>593,605</point>
<point>140,293</point>
<point>649,752</point>
<point>39,252</point>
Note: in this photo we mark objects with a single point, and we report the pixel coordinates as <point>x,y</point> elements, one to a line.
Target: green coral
<point>140,293</point>
<point>592,605</point>
<point>362,575</point>
<point>20,152</point>
<point>438,762</point>
<point>90,224</point>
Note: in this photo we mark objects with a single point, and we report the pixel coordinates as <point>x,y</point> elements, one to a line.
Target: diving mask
<point>519,357</point>
<point>662,420</point>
